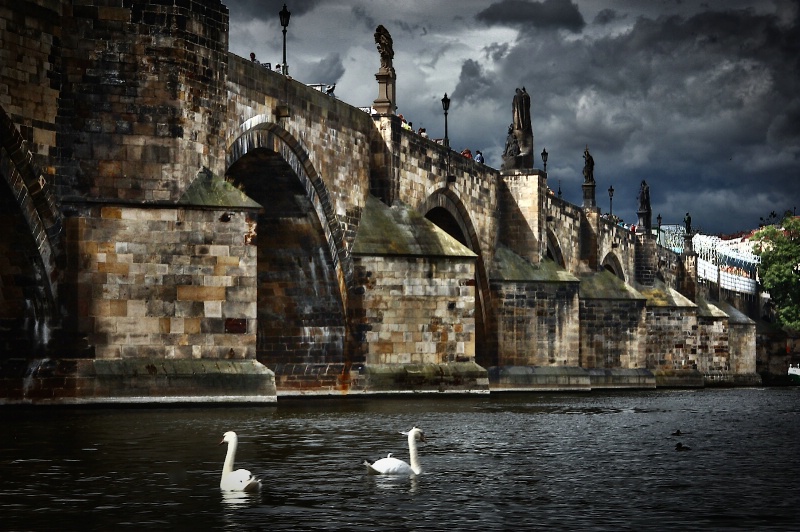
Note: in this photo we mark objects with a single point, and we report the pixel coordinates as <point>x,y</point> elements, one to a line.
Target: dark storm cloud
<point>606,16</point>
<point>361,15</point>
<point>702,107</point>
<point>330,69</point>
<point>267,10</point>
<point>549,14</point>
<point>473,83</point>
<point>496,51</point>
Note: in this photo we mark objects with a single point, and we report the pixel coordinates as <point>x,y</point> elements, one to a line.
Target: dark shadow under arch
<point>30,247</point>
<point>445,209</point>
<point>554,249</point>
<point>303,269</point>
<point>612,264</point>
<point>275,138</point>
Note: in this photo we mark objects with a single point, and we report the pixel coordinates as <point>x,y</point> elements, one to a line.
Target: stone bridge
<point>183,224</point>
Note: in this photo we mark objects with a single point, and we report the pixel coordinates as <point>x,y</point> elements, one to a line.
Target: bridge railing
<point>717,260</point>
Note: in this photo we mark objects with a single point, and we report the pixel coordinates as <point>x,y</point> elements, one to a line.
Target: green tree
<point>779,248</point>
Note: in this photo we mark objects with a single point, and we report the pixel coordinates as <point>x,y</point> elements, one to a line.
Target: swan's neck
<point>412,451</point>
<point>227,467</point>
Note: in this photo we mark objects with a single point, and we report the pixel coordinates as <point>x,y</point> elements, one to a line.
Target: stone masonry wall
<point>31,72</point>
<point>163,283</point>
<point>322,129</point>
<point>420,167</point>
<point>671,338</point>
<point>142,97</point>
<point>521,215</point>
<point>742,347</point>
<point>615,243</point>
<point>712,344</point>
<point>564,222</point>
<point>417,310</point>
<point>537,323</point>
<point>613,333</point>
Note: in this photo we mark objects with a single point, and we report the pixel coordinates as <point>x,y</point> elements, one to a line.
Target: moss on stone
<point>606,285</point>
<point>706,309</point>
<point>207,190</point>
<point>400,230</point>
<point>661,295</point>
<point>508,266</point>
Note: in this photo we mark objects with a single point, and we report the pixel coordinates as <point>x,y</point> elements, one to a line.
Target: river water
<point>593,461</point>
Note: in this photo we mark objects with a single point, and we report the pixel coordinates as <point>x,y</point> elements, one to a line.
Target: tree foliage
<point>779,248</point>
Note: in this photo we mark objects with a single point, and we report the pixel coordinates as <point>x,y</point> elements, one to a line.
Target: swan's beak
<point>223,441</point>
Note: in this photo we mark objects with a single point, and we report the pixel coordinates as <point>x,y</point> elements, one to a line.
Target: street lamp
<point>544,158</point>
<point>446,107</point>
<point>611,201</point>
<point>284,14</point>
<point>658,220</point>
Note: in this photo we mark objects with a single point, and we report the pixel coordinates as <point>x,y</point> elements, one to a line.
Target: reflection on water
<point>499,462</point>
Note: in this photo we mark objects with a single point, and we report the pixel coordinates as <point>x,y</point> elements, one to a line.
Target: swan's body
<point>241,479</point>
<point>394,466</point>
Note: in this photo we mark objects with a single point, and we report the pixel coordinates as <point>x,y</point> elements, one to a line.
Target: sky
<point>699,99</point>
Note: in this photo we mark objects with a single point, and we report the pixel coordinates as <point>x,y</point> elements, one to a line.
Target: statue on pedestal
<point>519,143</point>
<point>644,197</point>
<point>588,166</point>
<point>384,104</point>
<point>385,47</point>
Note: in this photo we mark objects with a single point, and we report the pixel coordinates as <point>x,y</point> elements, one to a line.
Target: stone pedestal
<point>518,162</point>
<point>588,195</point>
<point>385,103</point>
<point>645,225</point>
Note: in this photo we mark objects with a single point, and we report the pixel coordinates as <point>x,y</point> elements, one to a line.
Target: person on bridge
<point>478,156</point>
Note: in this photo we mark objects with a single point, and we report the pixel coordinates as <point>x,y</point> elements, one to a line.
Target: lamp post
<point>284,14</point>
<point>544,158</point>
<point>446,107</point>
<point>658,236</point>
<point>611,202</point>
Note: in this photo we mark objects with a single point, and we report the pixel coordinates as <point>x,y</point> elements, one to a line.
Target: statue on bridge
<point>385,104</point>
<point>519,143</point>
<point>645,213</point>
<point>687,222</point>
<point>588,166</point>
<point>644,197</point>
<point>385,47</point>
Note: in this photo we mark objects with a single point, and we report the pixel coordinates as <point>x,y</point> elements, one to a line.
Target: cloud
<point>549,14</point>
<point>267,10</point>
<point>330,69</point>
<point>606,16</point>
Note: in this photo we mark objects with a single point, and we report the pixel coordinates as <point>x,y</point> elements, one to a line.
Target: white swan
<point>393,466</point>
<point>241,479</point>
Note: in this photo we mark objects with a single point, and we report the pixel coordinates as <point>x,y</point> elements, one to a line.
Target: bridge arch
<point>29,248</point>
<point>612,263</point>
<point>445,209</point>
<point>554,249</point>
<point>304,267</point>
